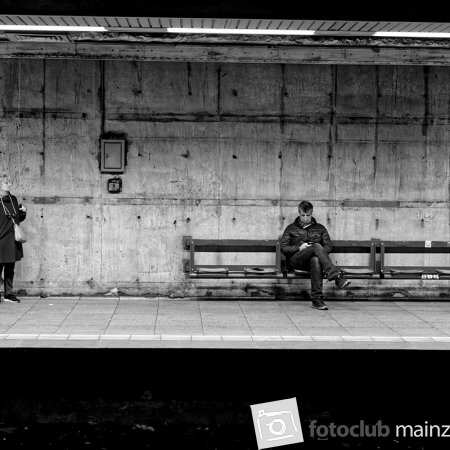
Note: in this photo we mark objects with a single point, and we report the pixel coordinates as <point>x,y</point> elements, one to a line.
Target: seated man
<point>306,245</point>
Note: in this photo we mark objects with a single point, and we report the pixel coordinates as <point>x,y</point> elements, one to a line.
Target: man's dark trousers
<point>315,259</point>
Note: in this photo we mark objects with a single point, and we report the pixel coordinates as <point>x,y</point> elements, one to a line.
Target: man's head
<point>305,209</point>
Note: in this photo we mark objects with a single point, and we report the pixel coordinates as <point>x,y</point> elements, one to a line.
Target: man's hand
<point>304,245</point>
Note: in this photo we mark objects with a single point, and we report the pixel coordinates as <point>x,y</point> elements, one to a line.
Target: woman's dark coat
<point>10,250</point>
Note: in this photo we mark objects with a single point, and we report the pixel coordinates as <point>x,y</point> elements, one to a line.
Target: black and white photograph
<point>224,225</point>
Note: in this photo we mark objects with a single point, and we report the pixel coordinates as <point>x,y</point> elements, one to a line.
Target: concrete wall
<point>221,151</point>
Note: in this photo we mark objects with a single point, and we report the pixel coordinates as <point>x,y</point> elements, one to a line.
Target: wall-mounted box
<point>114,185</point>
<point>112,155</point>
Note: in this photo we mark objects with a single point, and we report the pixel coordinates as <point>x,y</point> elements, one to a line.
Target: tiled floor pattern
<point>132,319</point>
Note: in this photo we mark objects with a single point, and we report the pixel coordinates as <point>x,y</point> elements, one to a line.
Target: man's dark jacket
<point>295,235</point>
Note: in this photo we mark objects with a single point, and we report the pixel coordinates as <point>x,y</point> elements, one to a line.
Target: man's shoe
<point>11,298</point>
<point>341,282</point>
<point>318,303</point>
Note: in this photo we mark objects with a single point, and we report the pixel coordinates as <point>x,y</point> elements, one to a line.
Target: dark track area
<point>173,399</point>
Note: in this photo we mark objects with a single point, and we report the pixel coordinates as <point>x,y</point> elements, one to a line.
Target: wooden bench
<point>196,270</point>
<point>275,270</point>
<point>409,271</point>
<point>372,269</point>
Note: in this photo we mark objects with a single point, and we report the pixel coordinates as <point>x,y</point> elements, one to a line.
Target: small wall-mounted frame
<point>112,155</point>
<point>114,185</point>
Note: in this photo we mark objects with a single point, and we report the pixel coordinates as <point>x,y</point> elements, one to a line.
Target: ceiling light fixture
<point>50,28</point>
<point>410,34</point>
<point>241,31</point>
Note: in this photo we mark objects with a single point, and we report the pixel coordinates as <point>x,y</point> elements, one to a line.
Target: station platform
<point>138,322</point>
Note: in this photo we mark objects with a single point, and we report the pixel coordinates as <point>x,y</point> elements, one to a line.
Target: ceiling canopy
<point>83,29</point>
<point>380,11</point>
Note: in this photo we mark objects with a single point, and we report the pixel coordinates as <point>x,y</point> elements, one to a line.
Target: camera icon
<point>277,423</point>
<point>274,426</point>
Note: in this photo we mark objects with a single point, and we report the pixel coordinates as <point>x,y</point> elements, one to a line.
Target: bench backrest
<point>267,246</point>
<point>234,246</point>
<point>413,247</point>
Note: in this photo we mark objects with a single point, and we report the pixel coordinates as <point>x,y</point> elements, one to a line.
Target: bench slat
<point>212,270</point>
<point>357,271</point>
<point>260,270</point>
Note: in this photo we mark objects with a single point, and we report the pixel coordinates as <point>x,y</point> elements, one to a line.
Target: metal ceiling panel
<point>350,10</point>
<point>196,23</point>
<point>293,25</point>
<point>165,23</point>
<point>219,23</point>
<point>324,26</point>
<point>346,26</point>
<point>207,23</point>
<point>159,24</point>
<point>440,28</point>
<point>366,27</point>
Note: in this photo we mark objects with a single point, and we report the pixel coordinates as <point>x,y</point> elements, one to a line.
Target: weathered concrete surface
<point>218,150</point>
<point>126,47</point>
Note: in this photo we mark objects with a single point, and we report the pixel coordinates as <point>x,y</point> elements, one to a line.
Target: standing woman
<point>10,250</point>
